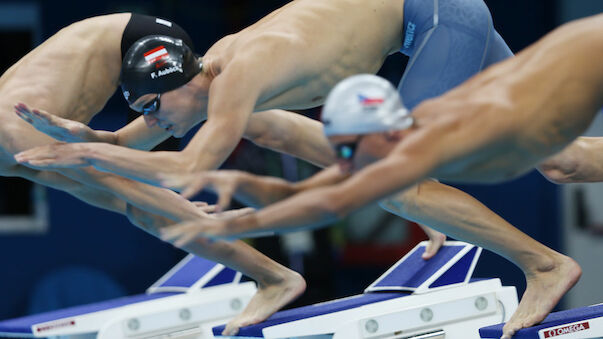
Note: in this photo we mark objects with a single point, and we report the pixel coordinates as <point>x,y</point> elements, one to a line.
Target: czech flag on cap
<point>367,101</point>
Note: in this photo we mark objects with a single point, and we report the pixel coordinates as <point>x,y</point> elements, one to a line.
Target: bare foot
<point>436,240</point>
<point>544,290</point>
<point>268,300</point>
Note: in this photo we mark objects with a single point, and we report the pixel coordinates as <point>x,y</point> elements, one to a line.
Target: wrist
<point>240,225</point>
<point>90,153</point>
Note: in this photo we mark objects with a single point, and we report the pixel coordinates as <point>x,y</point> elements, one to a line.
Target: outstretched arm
<point>314,207</point>
<point>278,130</point>
<point>581,161</point>
<point>156,200</point>
<point>253,190</point>
<point>135,135</point>
<point>96,197</point>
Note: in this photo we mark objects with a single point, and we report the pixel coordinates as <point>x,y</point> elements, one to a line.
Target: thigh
<point>461,43</point>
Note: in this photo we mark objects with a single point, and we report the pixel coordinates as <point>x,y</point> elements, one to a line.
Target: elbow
<point>557,175</point>
<point>269,140</point>
<point>560,172</point>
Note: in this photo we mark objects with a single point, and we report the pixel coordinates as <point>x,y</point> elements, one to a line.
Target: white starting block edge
<point>225,295</point>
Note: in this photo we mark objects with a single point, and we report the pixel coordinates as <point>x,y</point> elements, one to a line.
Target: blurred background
<point>56,251</point>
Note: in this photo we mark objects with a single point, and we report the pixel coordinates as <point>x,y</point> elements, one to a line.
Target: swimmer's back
<point>72,74</point>
<point>307,46</point>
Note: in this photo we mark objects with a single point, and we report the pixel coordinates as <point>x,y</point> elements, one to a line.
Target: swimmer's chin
<point>174,132</point>
<point>178,132</point>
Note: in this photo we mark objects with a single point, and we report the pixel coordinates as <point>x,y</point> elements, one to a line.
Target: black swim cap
<point>157,64</point>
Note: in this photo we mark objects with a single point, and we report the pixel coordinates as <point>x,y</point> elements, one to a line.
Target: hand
<point>216,226</point>
<point>54,156</point>
<point>212,210</point>
<point>185,232</point>
<point>223,183</point>
<point>61,129</point>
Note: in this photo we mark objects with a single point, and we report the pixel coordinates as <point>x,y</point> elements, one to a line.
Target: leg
<point>549,274</point>
<point>277,285</point>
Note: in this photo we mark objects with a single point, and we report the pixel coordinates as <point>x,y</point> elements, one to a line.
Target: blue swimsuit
<point>448,41</point>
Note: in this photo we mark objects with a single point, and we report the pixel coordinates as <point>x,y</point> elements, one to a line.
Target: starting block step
<point>193,297</point>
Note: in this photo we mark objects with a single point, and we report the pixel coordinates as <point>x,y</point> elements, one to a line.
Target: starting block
<point>413,299</point>
<point>186,302</point>
<point>578,323</point>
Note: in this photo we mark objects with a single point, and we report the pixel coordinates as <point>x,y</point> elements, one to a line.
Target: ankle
<point>279,277</point>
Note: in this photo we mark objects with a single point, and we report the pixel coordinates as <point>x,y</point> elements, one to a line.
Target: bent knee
<point>403,204</point>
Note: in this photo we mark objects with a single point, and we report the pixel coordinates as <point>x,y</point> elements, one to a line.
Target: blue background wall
<point>81,235</point>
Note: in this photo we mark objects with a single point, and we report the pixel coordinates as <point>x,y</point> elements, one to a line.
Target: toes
<point>430,251</point>
<point>231,329</point>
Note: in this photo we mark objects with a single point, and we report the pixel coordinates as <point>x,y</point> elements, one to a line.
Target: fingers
<point>176,182</point>
<point>32,116</point>
<point>236,213</point>
<point>27,156</point>
<point>23,112</point>
<point>36,153</point>
<point>185,240</point>
<point>22,107</point>
<point>40,163</point>
<point>224,198</point>
<point>173,232</point>
<point>209,208</point>
<point>195,187</point>
<point>181,234</point>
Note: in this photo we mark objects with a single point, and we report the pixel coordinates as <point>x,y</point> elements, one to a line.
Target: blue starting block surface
<point>452,264</point>
<point>194,273</point>
<point>558,324</point>
<point>255,331</point>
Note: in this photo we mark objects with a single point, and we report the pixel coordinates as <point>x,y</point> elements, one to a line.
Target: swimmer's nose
<point>150,120</point>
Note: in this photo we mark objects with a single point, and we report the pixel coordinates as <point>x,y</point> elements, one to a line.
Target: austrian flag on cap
<point>156,54</point>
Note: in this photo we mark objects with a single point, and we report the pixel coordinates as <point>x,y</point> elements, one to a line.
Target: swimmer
<point>492,128</point>
<point>85,61</point>
<point>290,60</point>
<point>237,67</point>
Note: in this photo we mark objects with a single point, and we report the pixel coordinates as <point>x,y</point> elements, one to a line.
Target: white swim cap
<point>363,104</point>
